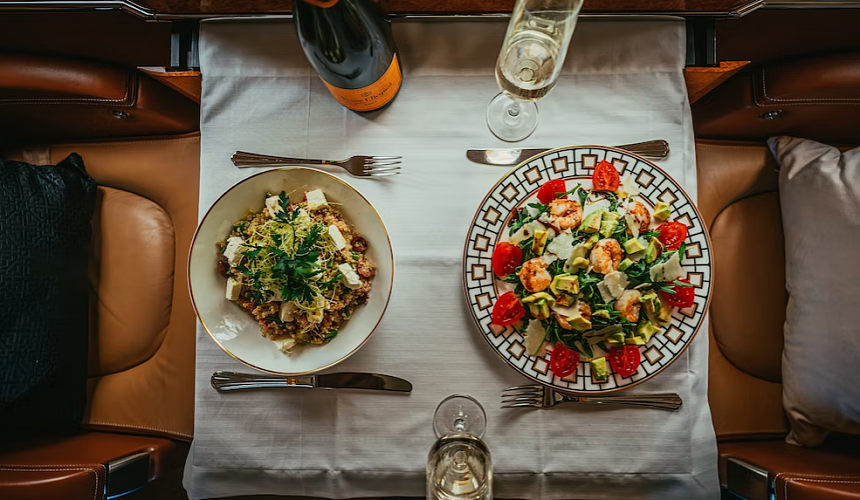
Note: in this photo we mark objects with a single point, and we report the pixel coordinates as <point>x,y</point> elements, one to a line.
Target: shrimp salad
<point>298,268</point>
<point>593,274</point>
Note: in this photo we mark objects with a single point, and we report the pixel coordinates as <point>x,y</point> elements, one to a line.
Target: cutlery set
<point>524,396</point>
<point>382,166</point>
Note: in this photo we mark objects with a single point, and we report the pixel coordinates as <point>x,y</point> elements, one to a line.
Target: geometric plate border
<point>579,162</point>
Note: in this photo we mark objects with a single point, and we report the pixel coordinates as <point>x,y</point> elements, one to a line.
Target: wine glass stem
<point>513,114</point>
<point>460,425</point>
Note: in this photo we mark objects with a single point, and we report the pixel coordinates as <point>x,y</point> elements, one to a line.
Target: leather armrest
<point>758,469</point>
<point>80,465</point>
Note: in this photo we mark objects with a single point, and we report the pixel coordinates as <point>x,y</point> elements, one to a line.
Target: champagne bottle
<point>350,45</point>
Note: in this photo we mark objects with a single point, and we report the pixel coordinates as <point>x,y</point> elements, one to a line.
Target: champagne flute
<point>459,466</point>
<point>529,64</point>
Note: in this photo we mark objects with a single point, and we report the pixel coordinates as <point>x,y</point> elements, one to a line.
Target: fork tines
<point>523,396</point>
<point>379,166</point>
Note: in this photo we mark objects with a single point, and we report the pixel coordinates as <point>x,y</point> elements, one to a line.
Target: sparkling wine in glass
<point>529,63</point>
<point>459,466</point>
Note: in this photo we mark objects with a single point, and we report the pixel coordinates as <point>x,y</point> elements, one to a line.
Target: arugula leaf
<point>244,270</point>
<point>540,207</point>
<point>583,197</point>
<point>682,284</point>
<point>564,195</point>
<point>284,200</point>
<point>682,251</point>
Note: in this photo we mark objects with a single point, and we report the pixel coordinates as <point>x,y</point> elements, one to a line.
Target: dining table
<point>622,82</point>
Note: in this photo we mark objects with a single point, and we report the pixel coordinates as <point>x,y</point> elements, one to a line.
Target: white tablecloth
<point>622,83</point>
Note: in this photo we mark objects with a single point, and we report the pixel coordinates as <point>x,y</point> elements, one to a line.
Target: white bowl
<point>235,330</point>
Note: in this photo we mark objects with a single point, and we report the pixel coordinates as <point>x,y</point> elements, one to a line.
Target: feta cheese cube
<point>336,237</point>
<point>233,250</point>
<point>273,204</point>
<point>316,199</point>
<point>233,289</point>
<point>285,344</point>
<point>350,277</point>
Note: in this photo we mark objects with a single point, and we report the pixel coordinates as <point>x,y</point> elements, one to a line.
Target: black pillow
<point>45,214</point>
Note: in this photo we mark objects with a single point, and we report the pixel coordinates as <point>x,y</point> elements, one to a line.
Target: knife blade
<point>232,381</point>
<point>652,150</point>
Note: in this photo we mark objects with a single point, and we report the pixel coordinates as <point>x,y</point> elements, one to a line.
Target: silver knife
<point>233,381</point>
<point>652,150</point>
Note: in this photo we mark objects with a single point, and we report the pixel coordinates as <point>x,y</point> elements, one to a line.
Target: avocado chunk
<point>576,264</point>
<point>665,314</point>
<point>564,283</point>
<point>662,211</point>
<point>651,302</point>
<point>634,340</point>
<point>625,264</point>
<point>565,299</point>
<point>647,330</point>
<point>633,245</point>
<point>579,323</point>
<point>655,248</point>
<point>616,339</point>
<point>535,297</point>
<point>539,309</point>
<point>601,313</point>
<point>591,223</point>
<point>607,227</point>
<point>539,242</point>
<point>610,216</point>
<point>591,241</point>
<point>599,372</point>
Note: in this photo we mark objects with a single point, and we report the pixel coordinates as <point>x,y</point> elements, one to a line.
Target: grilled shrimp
<point>606,256</point>
<point>629,304</point>
<point>567,213</point>
<point>640,215</point>
<point>534,275</point>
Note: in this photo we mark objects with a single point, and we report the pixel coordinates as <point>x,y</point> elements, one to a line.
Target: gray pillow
<point>820,199</point>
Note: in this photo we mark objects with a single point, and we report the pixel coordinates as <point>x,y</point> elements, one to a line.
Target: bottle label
<point>375,95</point>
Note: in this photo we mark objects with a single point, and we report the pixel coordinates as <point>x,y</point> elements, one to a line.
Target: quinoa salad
<point>297,267</point>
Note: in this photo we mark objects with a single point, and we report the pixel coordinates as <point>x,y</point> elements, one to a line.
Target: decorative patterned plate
<point>518,188</point>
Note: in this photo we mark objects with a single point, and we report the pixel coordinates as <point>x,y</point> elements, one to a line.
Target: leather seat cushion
<point>737,198</point>
<point>131,280</point>
<point>748,305</point>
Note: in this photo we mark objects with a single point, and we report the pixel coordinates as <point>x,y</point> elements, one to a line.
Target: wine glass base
<point>510,120</point>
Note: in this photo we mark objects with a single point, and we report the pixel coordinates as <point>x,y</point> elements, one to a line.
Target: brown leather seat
<point>139,415</point>
<point>739,199</point>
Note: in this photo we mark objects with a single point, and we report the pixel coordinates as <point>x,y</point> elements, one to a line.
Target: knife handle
<point>234,381</point>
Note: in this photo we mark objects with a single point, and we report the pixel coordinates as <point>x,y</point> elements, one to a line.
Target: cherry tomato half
<point>563,361</point>
<point>683,296</point>
<point>672,234</point>
<point>624,360</point>
<point>506,258</point>
<point>550,190</point>
<point>605,177</point>
<point>508,310</point>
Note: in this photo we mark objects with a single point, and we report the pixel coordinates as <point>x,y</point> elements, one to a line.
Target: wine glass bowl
<point>529,64</point>
<point>460,414</point>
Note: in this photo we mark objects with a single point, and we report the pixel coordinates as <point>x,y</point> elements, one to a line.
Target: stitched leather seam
<point>788,480</point>
<point>189,436</point>
<point>130,84</point>
<point>821,100</point>
<point>52,468</point>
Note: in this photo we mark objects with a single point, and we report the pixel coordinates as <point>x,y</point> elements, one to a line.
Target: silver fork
<point>359,166</point>
<point>539,396</point>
